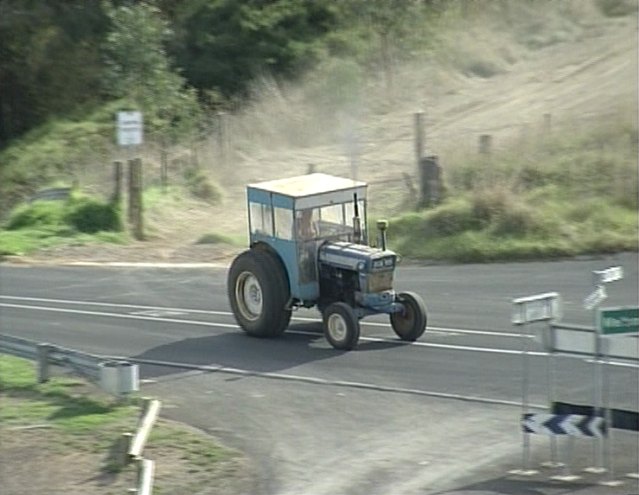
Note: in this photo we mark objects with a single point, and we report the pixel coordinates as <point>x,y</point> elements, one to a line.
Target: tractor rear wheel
<point>410,323</point>
<point>258,292</point>
<point>341,326</point>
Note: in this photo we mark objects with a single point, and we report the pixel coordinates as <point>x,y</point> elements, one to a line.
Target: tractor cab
<point>296,215</point>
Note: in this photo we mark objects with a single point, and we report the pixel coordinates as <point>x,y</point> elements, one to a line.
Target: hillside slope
<point>483,81</point>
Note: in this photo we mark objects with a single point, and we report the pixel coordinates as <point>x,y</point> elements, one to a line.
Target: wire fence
<point>236,149</point>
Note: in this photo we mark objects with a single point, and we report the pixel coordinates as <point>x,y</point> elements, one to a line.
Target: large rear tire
<point>258,292</point>
<point>341,326</point>
<point>410,324</point>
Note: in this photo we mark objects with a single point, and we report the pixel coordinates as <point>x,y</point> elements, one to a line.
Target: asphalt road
<point>437,416</point>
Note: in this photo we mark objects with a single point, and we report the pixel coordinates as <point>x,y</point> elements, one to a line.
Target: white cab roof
<point>308,185</point>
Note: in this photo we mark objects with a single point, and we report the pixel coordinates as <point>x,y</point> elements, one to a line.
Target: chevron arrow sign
<point>564,424</point>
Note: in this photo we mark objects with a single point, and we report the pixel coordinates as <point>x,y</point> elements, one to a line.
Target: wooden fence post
<point>485,144</point>
<point>135,198</point>
<point>430,181</point>
<point>117,179</point>
<point>419,137</point>
<point>222,137</point>
<point>164,169</point>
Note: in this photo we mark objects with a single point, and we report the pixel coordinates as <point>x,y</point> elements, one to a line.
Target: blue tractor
<point>309,247</point>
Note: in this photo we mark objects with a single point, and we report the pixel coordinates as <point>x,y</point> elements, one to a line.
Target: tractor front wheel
<point>258,293</point>
<point>341,326</point>
<point>410,323</point>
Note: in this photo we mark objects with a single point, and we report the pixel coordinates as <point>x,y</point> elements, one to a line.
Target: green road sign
<point>617,321</point>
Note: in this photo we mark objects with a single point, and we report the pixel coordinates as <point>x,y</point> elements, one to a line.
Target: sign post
<point>526,310</point>
<point>613,323</point>
<point>129,136</point>
<point>592,302</point>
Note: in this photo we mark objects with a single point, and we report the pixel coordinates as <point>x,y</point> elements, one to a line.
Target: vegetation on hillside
<point>570,194</point>
<point>66,68</point>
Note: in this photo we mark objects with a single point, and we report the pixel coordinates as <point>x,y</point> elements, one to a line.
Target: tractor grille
<point>380,281</point>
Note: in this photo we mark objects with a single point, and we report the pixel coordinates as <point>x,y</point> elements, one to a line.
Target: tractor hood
<point>357,257</point>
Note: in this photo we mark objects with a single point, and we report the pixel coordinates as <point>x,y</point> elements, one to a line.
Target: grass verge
<point>69,419</point>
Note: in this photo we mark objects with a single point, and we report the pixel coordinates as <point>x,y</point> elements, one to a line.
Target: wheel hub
<point>337,327</point>
<point>248,294</point>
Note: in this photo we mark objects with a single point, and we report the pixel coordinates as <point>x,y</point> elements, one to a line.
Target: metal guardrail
<point>85,364</point>
<point>52,194</point>
<point>91,367</point>
<point>580,340</point>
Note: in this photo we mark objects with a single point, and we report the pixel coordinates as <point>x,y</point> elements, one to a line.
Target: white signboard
<point>130,126</point>
<point>608,275</point>
<point>542,307</point>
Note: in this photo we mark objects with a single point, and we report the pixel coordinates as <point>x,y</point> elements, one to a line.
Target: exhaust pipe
<point>382,225</point>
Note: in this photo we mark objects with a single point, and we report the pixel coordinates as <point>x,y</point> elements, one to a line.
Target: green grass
<point>85,420</point>
<point>61,402</point>
<point>80,220</point>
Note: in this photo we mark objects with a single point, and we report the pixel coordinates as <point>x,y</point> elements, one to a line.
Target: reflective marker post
<point>526,310</point>
<point>591,303</point>
<point>612,322</point>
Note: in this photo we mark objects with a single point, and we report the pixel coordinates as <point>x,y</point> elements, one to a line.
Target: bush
<point>452,218</point>
<point>201,186</point>
<point>616,8</point>
<point>91,216</point>
<point>37,214</point>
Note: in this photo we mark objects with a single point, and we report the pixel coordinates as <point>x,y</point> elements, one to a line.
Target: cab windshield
<point>329,222</point>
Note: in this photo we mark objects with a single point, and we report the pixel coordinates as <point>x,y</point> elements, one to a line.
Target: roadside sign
<point>618,321</point>
<point>608,275</point>
<point>129,131</point>
<point>542,307</point>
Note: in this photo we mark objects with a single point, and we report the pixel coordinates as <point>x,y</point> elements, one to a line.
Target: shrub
<point>201,186</point>
<point>90,216</point>
<point>452,218</point>
<point>616,8</point>
<point>37,214</point>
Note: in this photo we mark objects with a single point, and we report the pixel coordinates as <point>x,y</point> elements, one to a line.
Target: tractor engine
<point>357,274</point>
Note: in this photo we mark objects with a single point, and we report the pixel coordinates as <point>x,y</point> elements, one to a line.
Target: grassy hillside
<point>566,195</point>
<point>474,68</point>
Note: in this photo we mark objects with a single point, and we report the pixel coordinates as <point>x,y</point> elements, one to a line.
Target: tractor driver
<point>305,226</point>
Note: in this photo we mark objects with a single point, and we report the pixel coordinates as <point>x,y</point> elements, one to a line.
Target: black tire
<point>341,326</point>
<point>409,324</point>
<point>258,291</point>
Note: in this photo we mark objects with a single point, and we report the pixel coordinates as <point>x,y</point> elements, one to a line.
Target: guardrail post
<point>150,413</point>
<point>123,449</point>
<point>146,472</point>
<point>43,362</point>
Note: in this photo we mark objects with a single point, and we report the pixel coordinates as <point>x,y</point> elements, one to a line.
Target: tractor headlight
<point>361,266</point>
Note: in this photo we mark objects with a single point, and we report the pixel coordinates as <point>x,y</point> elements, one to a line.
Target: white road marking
<point>158,313</point>
<point>450,331</point>
<point>144,315</point>
<point>138,316</point>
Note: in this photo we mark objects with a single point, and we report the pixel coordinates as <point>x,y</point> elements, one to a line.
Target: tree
<point>224,44</point>
<point>49,60</point>
<point>138,68</point>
